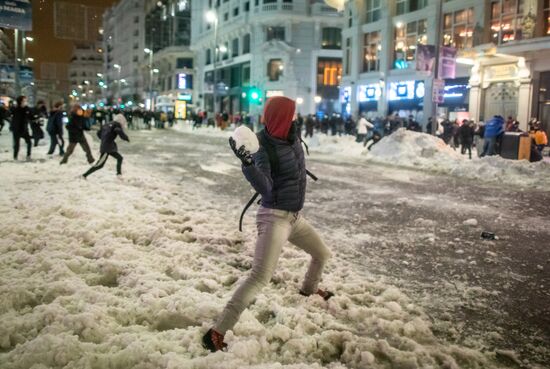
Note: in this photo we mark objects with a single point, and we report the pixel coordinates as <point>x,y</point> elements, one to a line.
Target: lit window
<point>371,50</point>
<point>506,20</point>
<point>459,28</point>
<point>407,36</point>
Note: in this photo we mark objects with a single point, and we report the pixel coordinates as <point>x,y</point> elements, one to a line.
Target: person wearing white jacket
<point>363,126</point>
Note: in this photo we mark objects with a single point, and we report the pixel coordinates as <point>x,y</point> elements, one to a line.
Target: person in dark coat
<point>55,128</point>
<point>20,126</point>
<point>76,127</point>
<point>108,134</point>
<point>4,115</point>
<point>310,125</point>
<point>466,137</point>
<point>37,115</point>
<point>278,173</point>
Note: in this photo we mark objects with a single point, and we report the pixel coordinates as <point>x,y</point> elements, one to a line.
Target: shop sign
<point>447,65</point>
<point>184,97</point>
<point>369,93</point>
<point>273,93</point>
<point>500,72</point>
<point>438,95</point>
<point>345,95</point>
<point>455,91</point>
<point>406,90</point>
<point>16,14</point>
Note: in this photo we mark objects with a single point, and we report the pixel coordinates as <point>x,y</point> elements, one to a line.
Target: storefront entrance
<point>501,98</point>
<point>544,101</point>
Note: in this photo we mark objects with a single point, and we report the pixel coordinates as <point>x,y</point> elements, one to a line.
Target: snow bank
<point>419,150</point>
<point>106,273</point>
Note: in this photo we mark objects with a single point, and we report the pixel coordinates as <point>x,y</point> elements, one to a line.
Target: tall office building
<point>250,50</point>
<point>123,44</point>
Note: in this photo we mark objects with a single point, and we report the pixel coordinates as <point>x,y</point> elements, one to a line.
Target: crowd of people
<point>486,137</point>
<point>21,117</point>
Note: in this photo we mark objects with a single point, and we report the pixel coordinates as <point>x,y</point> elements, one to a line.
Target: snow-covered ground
<point>423,152</point>
<point>110,273</point>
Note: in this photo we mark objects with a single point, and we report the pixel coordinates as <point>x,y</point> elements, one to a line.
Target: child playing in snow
<point>108,134</point>
<point>280,178</point>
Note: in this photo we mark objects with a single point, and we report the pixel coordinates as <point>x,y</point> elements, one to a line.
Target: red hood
<point>278,115</point>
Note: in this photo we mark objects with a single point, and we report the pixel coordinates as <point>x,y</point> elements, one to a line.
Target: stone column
<point>524,103</point>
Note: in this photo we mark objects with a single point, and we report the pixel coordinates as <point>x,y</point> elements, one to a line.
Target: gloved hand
<point>242,153</point>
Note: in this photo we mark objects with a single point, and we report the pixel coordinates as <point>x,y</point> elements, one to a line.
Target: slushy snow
<point>130,274</point>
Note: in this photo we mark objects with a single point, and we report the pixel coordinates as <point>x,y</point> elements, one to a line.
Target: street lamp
<point>212,18</point>
<point>150,52</point>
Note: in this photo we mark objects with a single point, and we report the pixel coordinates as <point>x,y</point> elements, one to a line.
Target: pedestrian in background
<point>466,137</point>
<point>55,129</point>
<point>20,126</point>
<point>38,115</point>
<point>494,129</point>
<point>541,140</point>
<point>76,127</point>
<point>108,134</point>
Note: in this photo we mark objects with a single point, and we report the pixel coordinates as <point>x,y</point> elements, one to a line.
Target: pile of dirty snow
<point>130,273</point>
<point>420,150</point>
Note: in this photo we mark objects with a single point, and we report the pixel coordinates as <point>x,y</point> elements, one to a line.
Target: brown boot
<point>324,294</point>
<point>213,341</point>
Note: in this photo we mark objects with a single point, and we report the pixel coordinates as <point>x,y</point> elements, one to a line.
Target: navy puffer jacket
<point>285,189</point>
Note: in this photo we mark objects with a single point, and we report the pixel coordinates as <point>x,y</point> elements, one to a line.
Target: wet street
<point>421,232</point>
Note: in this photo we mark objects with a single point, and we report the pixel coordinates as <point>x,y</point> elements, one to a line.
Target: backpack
<point>274,164</point>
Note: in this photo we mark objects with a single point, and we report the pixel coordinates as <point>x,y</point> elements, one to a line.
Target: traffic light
<point>254,95</point>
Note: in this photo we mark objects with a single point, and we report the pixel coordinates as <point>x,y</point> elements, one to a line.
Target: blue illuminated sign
<point>369,93</point>
<point>406,90</point>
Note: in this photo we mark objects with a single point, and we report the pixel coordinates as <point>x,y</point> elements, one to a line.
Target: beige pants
<point>275,227</point>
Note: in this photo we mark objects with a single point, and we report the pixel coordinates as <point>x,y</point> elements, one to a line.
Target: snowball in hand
<point>244,136</point>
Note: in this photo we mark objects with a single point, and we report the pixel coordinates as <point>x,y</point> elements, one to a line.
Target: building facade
<point>85,72</point>
<point>168,73</point>
<point>502,57</point>
<point>123,44</point>
<point>249,50</point>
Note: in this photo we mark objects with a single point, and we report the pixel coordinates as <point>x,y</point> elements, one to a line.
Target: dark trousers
<point>466,146</point>
<point>54,141</point>
<point>84,144</point>
<point>103,159</point>
<point>16,138</point>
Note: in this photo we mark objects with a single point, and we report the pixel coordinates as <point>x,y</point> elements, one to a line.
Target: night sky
<point>47,48</point>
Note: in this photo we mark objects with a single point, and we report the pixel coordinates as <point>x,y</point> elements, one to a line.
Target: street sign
<point>16,14</point>
<point>438,95</point>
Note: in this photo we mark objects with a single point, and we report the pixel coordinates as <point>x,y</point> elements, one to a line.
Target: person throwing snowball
<point>108,134</point>
<point>278,173</point>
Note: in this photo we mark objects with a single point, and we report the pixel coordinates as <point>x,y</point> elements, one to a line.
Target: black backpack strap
<point>250,202</point>
<point>312,176</point>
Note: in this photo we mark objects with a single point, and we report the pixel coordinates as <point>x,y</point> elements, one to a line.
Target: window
<point>246,74</point>
<point>208,56</point>
<point>407,36</point>
<point>246,43</point>
<point>332,38</point>
<point>506,20</point>
<point>371,49</point>
<point>275,33</point>
<point>347,60</point>
<point>247,6</point>
<point>235,47</point>
<point>329,72</point>
<point>235,12</point>
<point>547,17</point>
<point>225,54</point>
<point>407,6</point>
<point>275,69</point>
<point>459,28</point>
<point>225,17</point>
<point>373,10</point>
<point>186,62</point>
